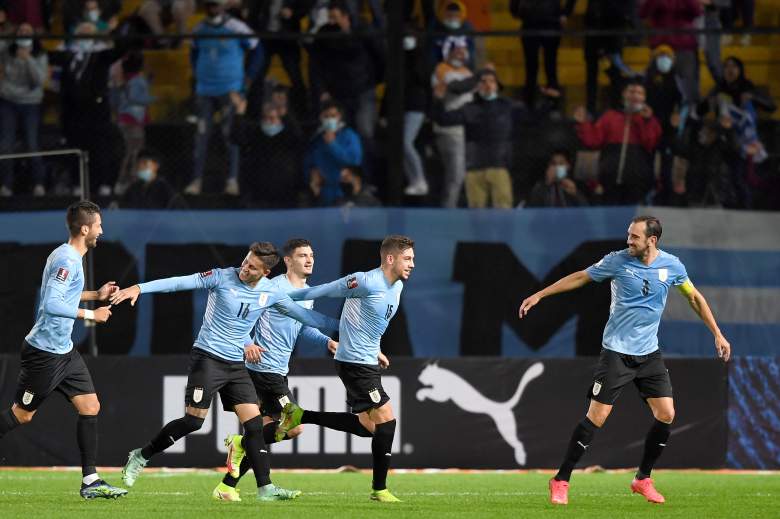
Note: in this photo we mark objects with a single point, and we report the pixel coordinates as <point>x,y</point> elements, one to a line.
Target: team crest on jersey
<point>206,274</point>
<point>352,283</point>
<point>284,400</point>
<point>62,274</point>
<point>263,299</point>
<point>663,274</point>
<point>596,388</point>
<point>374,396</point>
<point>197,395</point>
<point>28,397</point>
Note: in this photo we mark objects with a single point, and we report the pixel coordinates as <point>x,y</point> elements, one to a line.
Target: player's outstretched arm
<point>570,282</point>
<point>702,309</point>
<point>316,336</point>
<point>353,285</point>
<point>208,279</point>
<point>102,294</point>
<point>307,317</point>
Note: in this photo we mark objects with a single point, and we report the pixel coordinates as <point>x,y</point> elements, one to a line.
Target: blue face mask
<point>330,124</point>
<point>145,174</point>
<point>664,63</point>
<point>489,97</point>
<point>271,129</point>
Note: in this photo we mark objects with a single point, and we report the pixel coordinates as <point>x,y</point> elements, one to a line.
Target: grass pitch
<point>689,495</point>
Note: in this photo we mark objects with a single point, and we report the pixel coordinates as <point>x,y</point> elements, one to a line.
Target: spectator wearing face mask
<point>334,147</point>
<point>91,13</point>
<point>218,66</point>
<point>271,155</point>
<point>133,114</point>
<point>23,71</point>
<point>451,22</point>
<point>86,110</point>
<point>557,189</point>
<point>627,139</point>
<point>488,123</point>
<point>665,97</point>
<point>149,190</point>
<point>415,106</point>
<point>450,140</point>
<point>356,192</point>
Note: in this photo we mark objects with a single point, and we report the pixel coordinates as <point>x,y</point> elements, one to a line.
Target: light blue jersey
<point>233,307</point>
<point>278,333</point>
<point>638,298</point>
<point>371,302</point>
<point>61,286</point>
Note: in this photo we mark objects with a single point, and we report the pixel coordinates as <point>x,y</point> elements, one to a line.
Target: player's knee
<point>294,432</point>
<point>91,408</point>
<point>664,415</point>
<point>192,423</point>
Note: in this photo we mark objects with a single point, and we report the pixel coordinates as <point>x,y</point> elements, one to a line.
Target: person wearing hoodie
<point>488,123</point>
<point>451,22</point>
<point>23,71</point>
<point>334,147</point>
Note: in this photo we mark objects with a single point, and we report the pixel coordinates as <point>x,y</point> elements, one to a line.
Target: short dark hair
<point>79,214</point>
<point>652,225</point>
<point>395,244</point>
<point>266,252</point>
<point>341,5</point>
<point>562,152</point>
<point>633,82</point>
<point>331,103</point>
<point>148,154</point>
<point>294,243</point>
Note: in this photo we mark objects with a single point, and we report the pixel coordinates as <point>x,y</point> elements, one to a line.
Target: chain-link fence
<point>294,104</point>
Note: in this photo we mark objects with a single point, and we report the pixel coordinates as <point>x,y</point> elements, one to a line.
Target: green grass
<point>45,494</point>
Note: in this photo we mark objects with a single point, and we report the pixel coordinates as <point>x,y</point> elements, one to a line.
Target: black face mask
<point>347,188</point>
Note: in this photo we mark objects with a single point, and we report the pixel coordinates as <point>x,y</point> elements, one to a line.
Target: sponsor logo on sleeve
<point>352,282</point>
<point>62,274</point>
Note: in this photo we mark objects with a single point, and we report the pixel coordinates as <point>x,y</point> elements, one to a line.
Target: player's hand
<point>332,346</point>
<point>569,186</point>
<point>130,293</point>
<point>253,353</point>
<point>646,111</point>
<point>384,362</point>
<point>106,290</point>
<point>580,114</point>
<point>102,314</point>
<point>723,348</point>
<point>528,302</point>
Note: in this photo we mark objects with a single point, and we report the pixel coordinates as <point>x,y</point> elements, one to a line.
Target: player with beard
<point>641,276</point>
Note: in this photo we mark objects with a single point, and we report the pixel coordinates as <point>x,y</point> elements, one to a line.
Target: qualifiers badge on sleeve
<point>62,274</point>
<point>352,283</point>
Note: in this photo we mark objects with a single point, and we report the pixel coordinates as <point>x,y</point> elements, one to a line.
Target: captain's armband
<point>686,288</point>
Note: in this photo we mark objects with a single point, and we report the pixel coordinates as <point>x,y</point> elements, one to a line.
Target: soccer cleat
<point>235,454</point>
<point>646,488</point>
<point>225,493</point>
<point>133,468</point>
<point>384,496</point>
<point>559,492</point>
<point>101,489</point>
<point>290,419</point>
<point>273,493</point>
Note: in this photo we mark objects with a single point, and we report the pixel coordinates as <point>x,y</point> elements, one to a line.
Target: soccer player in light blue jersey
<point>372,299</point>
<point>49,362</point>
<point>275,336</point>
<point>237,297</point>
<point>640,278</point>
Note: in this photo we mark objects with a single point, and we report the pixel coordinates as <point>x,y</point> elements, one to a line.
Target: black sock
<point>171,432</point>
<point>346,422</point>
<point>243,469</point>
<point>381,447</point>
<point>269,433</point>
<point>87,437</point>
<point>8,421</point>
<point>655,442</point>
<point>580,440</point>
<point>257,450</point>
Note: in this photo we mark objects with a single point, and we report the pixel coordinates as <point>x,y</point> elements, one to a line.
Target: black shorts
<point>209,374</point>
<point>43,372</point>
<point>272,391</point>
<point>615,370</point>
<point>364,386</point>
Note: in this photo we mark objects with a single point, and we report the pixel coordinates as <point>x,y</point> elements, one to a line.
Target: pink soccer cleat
<point>559,492</point>
<point>646,488</point>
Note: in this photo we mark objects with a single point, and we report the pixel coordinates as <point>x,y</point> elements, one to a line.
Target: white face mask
<point>93,15</point>
<point>664,63</point>
<point>457,63</point>
<point>561,171</point>
<point>410,42</point>
<point>24,42</point>
<point>452,24</point>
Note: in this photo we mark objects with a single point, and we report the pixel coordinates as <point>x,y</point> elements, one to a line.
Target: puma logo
<point>444,385</point>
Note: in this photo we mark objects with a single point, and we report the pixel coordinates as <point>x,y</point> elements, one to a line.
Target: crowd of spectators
<point>650,137</point>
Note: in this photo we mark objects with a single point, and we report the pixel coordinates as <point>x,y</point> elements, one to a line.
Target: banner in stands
<point>470,413</point>
<point>473,269</point>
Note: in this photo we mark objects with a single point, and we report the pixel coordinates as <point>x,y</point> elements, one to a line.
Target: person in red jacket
<point>627,140</point>
<point>677,14</point>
